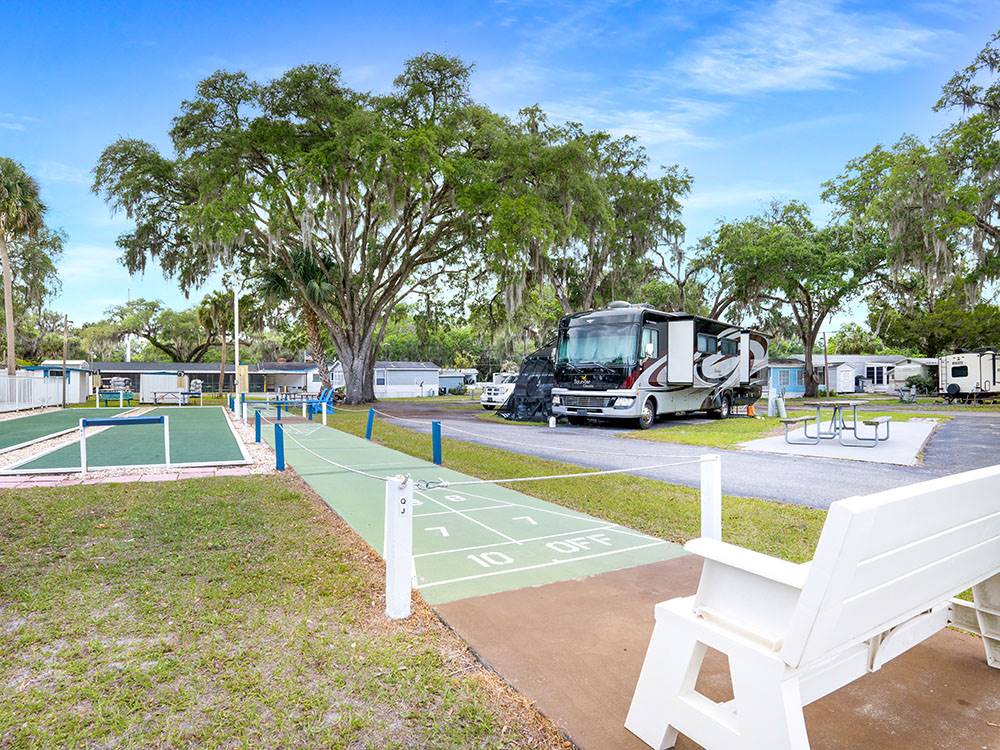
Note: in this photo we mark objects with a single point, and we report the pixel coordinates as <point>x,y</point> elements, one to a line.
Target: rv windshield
<point>603,345</point>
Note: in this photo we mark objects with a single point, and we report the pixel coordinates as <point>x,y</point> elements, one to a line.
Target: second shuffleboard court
<point>198,435</point>
<point>467,541</point>
<point>30,428</point>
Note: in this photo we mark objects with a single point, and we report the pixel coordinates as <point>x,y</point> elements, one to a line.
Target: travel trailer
<point>969,375</point>
<point>630,362</point>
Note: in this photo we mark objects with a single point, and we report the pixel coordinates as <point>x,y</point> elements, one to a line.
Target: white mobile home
<point>397,379</point>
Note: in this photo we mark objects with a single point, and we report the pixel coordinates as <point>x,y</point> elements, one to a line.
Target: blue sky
<point>757,100</point>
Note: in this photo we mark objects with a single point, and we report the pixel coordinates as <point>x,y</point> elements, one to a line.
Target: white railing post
<point>83,448</point>
<point>398,546</point>
<point>166,438</point>
<point>711,496</point>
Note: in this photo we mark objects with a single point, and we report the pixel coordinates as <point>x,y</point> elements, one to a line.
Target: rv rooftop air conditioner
<point>619,304</point>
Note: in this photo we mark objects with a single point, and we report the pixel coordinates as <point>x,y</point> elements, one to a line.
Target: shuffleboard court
<point>467,541</point>
<point>199,435</point>
<point>21,431</point>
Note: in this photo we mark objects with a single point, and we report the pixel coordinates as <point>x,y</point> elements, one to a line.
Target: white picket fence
<point>22,392</point>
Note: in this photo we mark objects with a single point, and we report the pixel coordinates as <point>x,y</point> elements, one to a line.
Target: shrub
<point>923,383</point>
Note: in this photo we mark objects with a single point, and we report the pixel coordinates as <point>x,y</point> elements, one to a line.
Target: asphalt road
<point>966,442</point>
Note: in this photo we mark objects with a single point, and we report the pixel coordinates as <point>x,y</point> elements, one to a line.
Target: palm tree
<point>215,313</point>
<point>305,283</point>
<point>21,213</point>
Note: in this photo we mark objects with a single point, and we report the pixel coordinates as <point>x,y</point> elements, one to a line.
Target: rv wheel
<point>648,415</point>
<point>725,409</point>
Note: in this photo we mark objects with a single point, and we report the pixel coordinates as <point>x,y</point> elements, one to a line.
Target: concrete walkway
<point>576,648</point>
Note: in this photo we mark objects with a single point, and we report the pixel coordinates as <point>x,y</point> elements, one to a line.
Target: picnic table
<point>838,423</point>
<point>839,407</point>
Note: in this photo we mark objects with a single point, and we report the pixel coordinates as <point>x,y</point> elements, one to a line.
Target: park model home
<point>397,379</point>
<point>632,362</point>
<point>849,373</point>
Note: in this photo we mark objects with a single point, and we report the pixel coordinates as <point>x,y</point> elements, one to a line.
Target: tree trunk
<point>357,365</point>
<point>314,334</point>
<point>812,382</point>
<point>8,307</point>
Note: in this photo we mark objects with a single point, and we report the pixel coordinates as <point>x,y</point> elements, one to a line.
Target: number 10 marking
<point>491,559</point>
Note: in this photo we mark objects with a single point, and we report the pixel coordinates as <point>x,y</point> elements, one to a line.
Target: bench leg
<point>766,713</point>
<point>669,670</point>
<point>809,439</point>
<point>986,595</point>
<point>768,705</point>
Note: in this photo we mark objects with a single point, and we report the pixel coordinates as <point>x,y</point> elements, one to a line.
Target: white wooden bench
<point>881,581</point>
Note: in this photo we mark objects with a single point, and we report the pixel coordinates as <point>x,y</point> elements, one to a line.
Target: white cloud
<point>11,121</point>
<point>54,171</point>
<point>673,121</point>
<point>735,196</point>
<point>799,45</point>
<point>91,262</point>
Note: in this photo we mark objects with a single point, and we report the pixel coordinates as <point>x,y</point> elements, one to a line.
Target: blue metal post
<point>371,423</point>
<point>256,426</point>
<point>436,439</point>
<point>279,447</point>
<point>231,407</point>
<point>278,417</point>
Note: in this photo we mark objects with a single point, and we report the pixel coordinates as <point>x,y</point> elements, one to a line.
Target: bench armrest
<point>764,566</point>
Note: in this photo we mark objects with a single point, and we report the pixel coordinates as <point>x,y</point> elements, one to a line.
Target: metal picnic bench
<point>838,425</point>
<point>120,397</point>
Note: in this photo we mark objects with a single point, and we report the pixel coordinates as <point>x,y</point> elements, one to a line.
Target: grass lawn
<point>668,511</point>
<point>490,415</point>
<point>223,613</point>
<point>728,433</point>
<point>449,398</point>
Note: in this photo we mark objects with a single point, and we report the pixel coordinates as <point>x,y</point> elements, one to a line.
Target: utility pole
<point>237,282</point>
<point>826,367</point>
<point>128,336</point>
<point>65,356</point>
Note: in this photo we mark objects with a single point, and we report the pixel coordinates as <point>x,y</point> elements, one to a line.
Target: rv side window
<point>960,371</point>
<point>707,344</point>
<point>650,344</point>
<point>729,347</point>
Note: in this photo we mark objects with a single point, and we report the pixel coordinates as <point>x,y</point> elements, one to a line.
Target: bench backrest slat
<point>884,558</point>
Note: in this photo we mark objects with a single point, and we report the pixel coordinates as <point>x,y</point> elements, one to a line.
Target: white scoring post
<point>880,583</point>
<point>398,546</point>
<point>711,496</point>
<point>323,407</point>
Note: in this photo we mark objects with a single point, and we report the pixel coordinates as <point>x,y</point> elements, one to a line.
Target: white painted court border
<point>14,470</point>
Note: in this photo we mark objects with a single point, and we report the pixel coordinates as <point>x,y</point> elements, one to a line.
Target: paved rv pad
<point>468,541</point>
<point>198,436</point>
<point>906,441</point>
